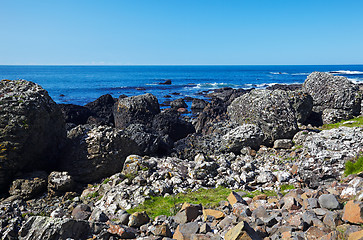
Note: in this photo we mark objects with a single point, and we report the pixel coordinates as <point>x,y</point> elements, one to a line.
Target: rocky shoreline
<point>76,172</point>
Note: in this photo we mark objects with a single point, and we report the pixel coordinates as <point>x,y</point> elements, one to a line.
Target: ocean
<point>83,84</point>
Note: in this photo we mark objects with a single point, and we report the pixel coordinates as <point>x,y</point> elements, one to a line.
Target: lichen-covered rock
<point>136,109</point>
<point>32,129</point>
<point>30,185</point>
<point>54,228</point>
<point>246,135</point>
<point>95,152</point>
<point>59,183</point>
<point>330,115</point>
<point>272,111</point>
<point>329,91</point>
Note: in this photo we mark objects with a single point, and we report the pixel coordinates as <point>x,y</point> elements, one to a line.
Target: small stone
<point>314,233</point>
<point>214,213</point>
<point>283,144</point>
<point>234,197</point>
<point>356,235</point>
<point>188,213</point>
<point>185,231</point>
<point>328,201</point>
<point>120,231</point>
<point>242,231</point>
<point>161,230</point>
<point>98,215</point>
<point>138,218</point>
<point>81,212</point>
<point>353,212</point>
<point>205,228</point>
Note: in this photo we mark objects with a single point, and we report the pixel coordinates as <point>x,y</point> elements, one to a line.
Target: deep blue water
<point>82,84</point>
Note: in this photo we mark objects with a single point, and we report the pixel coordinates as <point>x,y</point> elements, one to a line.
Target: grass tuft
<point>354,167</point>
<point>356,122</point>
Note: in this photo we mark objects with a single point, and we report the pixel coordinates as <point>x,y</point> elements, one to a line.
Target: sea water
<point>83,84</point>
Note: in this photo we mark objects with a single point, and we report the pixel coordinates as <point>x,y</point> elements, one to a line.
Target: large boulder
<point>102,110</point>
<point>273,111</point>
<point>95,152</point>
<point>332,92</point>
<point>136,109</point>
<point>32,129</point>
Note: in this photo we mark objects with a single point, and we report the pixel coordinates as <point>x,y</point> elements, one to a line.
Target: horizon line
<point>179,64</point>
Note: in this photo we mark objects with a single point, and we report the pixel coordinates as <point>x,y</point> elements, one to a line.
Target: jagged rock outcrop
<point>95,152</point>
<point>136,109</point>
<point>333,92</point>
<point>32,129</point>
<point>178,103</point>
<point>275,112</point>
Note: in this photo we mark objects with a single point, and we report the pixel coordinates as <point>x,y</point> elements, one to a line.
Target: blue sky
<point>143,32</point>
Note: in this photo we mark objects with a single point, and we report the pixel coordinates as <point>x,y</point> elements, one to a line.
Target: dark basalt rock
<point>178,103</point>
<point>75,114</point>
<point>169,123</point>
<point>32,129</point>
<point>102,110</point>
<point>167,82</point>
<point>198,104</point>
<point>136,109</point>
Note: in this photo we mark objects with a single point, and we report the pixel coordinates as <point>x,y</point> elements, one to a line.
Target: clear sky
<point>168,32</point>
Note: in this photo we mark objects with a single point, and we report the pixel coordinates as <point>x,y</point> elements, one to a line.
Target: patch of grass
<point>106,181</point>
<point>285,187</point>
<point>93,195</point>
<point>354,167</point>
<point>170,205</point>
<point>356,122</point>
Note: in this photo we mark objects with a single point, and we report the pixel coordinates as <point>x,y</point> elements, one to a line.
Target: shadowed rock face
<point>32,129</point>
<point>136,109</point>
<point>332,92</point>
<point>275,112</point>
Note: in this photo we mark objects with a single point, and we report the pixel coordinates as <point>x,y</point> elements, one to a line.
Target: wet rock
<point>136,109</point>
<point>353,212</point>
<point>95,152</point>
<point>166,82</point>
<point>198,104</point>
<point>138,218</point>
<point>102,110</point>
<point>283,144</point>
<point>56,228</point>
<point>246,135</point>
<point>59,183</point>
<point>328,201</point>
<point>270,110</point>
<point>32,129</point>
<point>178,103</point>
<point>332,92</point>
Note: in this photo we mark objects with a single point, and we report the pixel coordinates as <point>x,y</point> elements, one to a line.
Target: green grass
<point>354,167</point>
<point>170,205</point>
<point>358,122</point>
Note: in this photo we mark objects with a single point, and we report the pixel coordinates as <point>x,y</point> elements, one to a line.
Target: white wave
<point>346,72</point>
<point>300,74</point>
<point>278,73</point>
<point>356,80</point>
